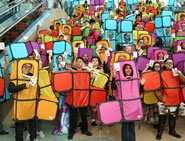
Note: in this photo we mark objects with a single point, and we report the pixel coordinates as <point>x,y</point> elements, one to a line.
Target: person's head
<point>138,18</point>
<point>140,42</point>
<point>57,25</point>
<point>167,31</point>
<point>168,64</point>
<point>66,30</point>
<point>160,56</point>
<point>127,36</point>
<point>156,66</point>
<point>183,45</point>
<point>145,40</point>
<point>183,26</point>
<point>179,33</point>
<point>60,59</point>
<point>92,21</point>
<point>39,40</point>
<point>79,62</point>
<point>159,42</point>
<point>110,35</point>
<point>128,49</point>
<point>67,65</point>
<point>26,68</point>
<point>127,70</point>
<point>61,37</point>
<point>122,58</point>
<point>182,17</point>
<point>95,62</point>
<point>51,27</point>
<point>78,45</point>
<point>85,57</point>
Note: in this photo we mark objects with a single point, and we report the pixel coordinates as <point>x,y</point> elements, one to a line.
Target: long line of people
<point>101,53</point>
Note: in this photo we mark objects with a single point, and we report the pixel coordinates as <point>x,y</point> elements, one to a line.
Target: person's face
<point>66,30</point>
<point>138,19</point>
<point>145,40</point>
<point>122,58</point>
<point>128,70</point>
<point>169,64</point>
<point>179,33</point>
<point>61,38</point>
<point>95,62</point>
<point>110,35</point>
<point>57,26</point>
<point>127,36</point>
<point>160,56</point>
<point>157,67</point>
<point>183,45</point>
<point>85,57</point>
<point>79,63</point>
<point>26,68</point>
<point>141,43</point>
<point>128,49</point>
<point>183,27</point>
<point>60,59</point>
<point>39,41</point>
<point>67,67</point>
<point>167,31</point>
<point>183,18</point>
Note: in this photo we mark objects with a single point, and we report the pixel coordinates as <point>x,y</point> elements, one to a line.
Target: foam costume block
<point>74,44</point>
<point>150,51</point>
<point>88,51</point>
<point>31,46</point>
<point>141,63</point>
<point>149,37</point>
<point>26,99</point>
<point>97,95</point>
<point>2,87</point>
<point>178,57</point>
<point>47,102</point>
<point>156,52</point>
<point>170,88</point>
<point>59,48</point>
<point>47,38</point>
<point>97,2</point>
<point>76,31</point>
<point>178,43</point>
<point>181,66</point>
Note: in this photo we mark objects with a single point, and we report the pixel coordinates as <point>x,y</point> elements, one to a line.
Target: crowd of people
<point>104,43</point>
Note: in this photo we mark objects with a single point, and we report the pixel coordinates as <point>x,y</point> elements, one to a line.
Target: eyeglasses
<point>169,63</point>
<point>27,67</point>
<point>157,66</point>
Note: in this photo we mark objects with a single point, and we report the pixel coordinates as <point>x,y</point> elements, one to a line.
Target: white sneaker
<point>35,140</point>
<point>41,134</point>
<point>28,136</point>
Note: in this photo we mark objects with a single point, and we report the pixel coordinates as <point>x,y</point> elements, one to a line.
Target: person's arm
<point>6,60</point>
<point>181,76</point>
<point>38,34</point>
<point>74,61</point>
<point>14,89</point>
<point>106,68</point>
<point>146,68</point>
<point>160,96</point>
<point>113,83</point>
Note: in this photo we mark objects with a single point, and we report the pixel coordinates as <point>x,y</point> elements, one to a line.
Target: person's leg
<point>2,132</point>
<point>172,125</point>
<point>32,129</point>
<point>73,122</point>
<point>39,129</point>
<point>132,135</point>
<point>93,117</point>
<point>162,122</point>
<point>19,131</point>
<point>124,131</point>
<point>83,114</point>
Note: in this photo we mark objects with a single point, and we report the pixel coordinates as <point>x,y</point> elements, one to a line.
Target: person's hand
<point>75,55</point>
<point>164,99</point>
<point>28,85</point>
<point>106,59</point>
<point>143,80</point>
<point>179,72</point>
<point>38,27</point>
<point>59,66</point>
<point>5,51</point>
<point>114,73</point>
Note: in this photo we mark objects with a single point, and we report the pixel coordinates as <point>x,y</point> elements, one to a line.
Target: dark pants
<point>19,126</point>
<point>73,119</point>
<point>128,131</point>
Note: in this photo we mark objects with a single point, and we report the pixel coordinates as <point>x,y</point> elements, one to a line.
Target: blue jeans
<point>128,131</point>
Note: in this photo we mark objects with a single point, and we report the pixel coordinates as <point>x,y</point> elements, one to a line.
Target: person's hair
<point>51,27</point>
<point>166,61</point>
<point>139,15</point>
<point>92,21</point>
<point>94,57</point>
<point>58,23</point>
<point>183,15</point>
<point>80,58</point>
<point>124,67</point>
<point>159,42</point>
<point>182,43</point>
<point>59,56</point>
<point>155,64</point>
<point>77,44</point>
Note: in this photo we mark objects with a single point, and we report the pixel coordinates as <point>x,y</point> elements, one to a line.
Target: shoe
<point>28,136</point>
<point>80,124</point>
<point>174,134</point>
<point>87,133</point>
<point>158,137</point>
<point>3,132</point>
<point>70,136</point>
<point>35,140</point>
<point>94,124</point>
<point>41,134</point>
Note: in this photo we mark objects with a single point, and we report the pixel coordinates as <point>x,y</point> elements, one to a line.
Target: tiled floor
<point>105,133</point>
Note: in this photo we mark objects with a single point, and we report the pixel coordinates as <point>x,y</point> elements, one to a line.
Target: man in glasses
<point>19,125</point>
